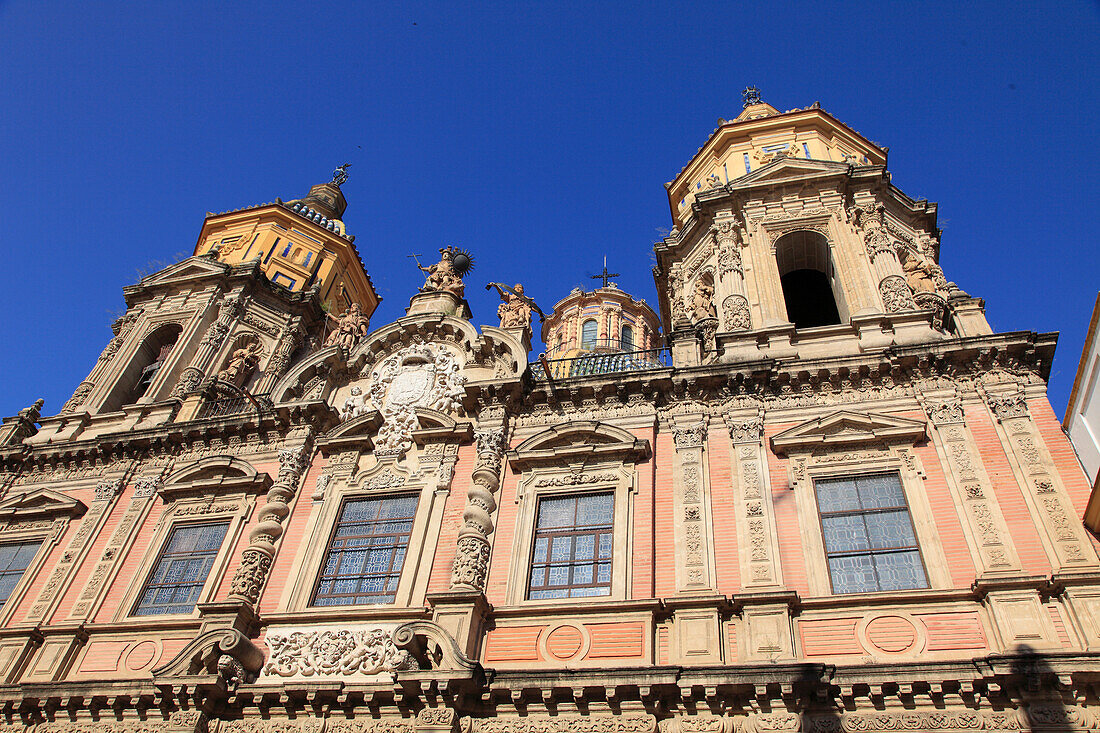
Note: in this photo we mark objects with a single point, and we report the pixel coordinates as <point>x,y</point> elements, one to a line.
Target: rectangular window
<point>870,544</point>
<point>181,570</point>
<point>367,552</point>
<point>14,559</point>
<point>572,555</point>
<point>806,149</point>
<point>748,168</point>
<point>272,250</point>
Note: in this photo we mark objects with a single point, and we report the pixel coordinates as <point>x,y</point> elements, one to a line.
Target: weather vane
<point>340,175</point>
<point>605,275</point>
<point>751,95</point>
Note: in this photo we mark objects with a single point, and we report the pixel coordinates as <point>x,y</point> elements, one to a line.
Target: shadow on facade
<point>1040,692</point>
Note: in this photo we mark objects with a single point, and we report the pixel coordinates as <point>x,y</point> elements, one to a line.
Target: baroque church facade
<point>812,491</point>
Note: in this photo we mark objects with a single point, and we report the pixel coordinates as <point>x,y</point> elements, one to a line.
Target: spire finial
<point>340,175</point>
<point>605,275</point>
<point>751,95</point>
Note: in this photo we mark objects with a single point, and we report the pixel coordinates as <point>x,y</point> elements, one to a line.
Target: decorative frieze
<point>334,652</point>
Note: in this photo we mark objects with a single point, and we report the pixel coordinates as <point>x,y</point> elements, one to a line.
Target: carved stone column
<point>1046,496</point>
<point>191,377</point>
<point>289,340</point>
<point>122,328</point>
<point>256,558</point>
<point>895,293</point>
<point>755,515</point>
<point>734,310</point>
<point>691,507</point>
<point>471,563</point>
<point>990,540</point>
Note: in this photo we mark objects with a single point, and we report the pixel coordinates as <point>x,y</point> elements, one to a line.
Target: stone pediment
<point>790,169</point>
<point>355,433</point>
<point>846,428</point>
<point>40,503</point>
<point>587,439</point>
<point>190,269</point>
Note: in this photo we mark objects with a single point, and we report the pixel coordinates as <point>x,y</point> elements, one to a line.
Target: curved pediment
<point>586,439</point>
<point>847,428</point>
<point>357,432</point>
<point>216,473</point>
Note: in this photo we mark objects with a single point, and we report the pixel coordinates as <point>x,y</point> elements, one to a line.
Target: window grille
<point>14,559</point>
<point>572,547</point>
<point>870,544</point>
<point>181,570</point>
<point>367,552</point>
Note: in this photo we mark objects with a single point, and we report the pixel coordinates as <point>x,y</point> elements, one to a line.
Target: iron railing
<point>231,405</point>
<point>606,362</point>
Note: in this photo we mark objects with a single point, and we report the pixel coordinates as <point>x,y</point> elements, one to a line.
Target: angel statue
<point>515,308</point>
<point>350,327</point>
<point>918,274</point>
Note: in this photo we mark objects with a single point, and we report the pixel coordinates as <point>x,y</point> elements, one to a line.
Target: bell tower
<point>301,245</point>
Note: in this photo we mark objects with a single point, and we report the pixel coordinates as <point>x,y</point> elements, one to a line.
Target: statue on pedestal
<point>515,308</point>
<point>446,275</point>
<point>919,274</point>
<point>242,362</point>
<point>351,327</point>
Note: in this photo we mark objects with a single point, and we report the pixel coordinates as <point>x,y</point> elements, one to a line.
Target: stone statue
<point>919,274</point>
<point>515,310</point>
<point>442,275</point>
<point>354,405</point>
<point>242,362</point>
<point>351,327</point>
<point>702,301</point>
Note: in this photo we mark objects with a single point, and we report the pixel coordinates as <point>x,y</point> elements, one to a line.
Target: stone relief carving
<point>626,723</point>
<point>242,362</point>
<point>896,296</point>
<point>354,404</point>
<point>702,301</point>
<point>945,413</point>
<point>419,375</point>
<point>335,652</point>
<point>692,436</point>
<point>350,327</point>
<point>471,563</point>
<point>1008,406</point>
<point>79,396</point>
<point>735,311</point>
<point>577,479</point>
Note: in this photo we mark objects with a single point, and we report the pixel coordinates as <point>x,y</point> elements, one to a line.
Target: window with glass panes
<point>870,544</point>
<point>572,547</point>
<point>367,552</point>
<point>14,559</point>
<point>181,570</point>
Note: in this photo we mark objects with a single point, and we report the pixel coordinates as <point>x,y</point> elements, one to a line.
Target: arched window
<point>297,254</point>
<point>143,369</point>
<point>626,340</point>
<point>588,334</point>
<point>806,273</point>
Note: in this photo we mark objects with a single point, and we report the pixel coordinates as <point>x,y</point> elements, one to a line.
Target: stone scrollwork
<point>335,653</point>
<point>79,396</point>
<point>626,723</point>
<point>1008,406</point>
<point>419,375</point>
<point>691,436</point>
<point>945,413</point>
<point>189,381</point>
<point>745,430</point>
<point>735,310</point>
<point>896,295</point>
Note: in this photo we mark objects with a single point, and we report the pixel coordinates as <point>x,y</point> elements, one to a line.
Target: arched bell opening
<point>808,278</point>
<point>144,368</point>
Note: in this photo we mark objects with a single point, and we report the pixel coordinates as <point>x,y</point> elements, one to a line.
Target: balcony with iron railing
<point>598,362</point>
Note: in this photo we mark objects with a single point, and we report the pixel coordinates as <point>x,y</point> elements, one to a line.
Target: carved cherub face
<point>356,391</point>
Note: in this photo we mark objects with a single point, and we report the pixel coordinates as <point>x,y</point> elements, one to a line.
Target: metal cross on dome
<point>605,275</point>
<point>751,95</point>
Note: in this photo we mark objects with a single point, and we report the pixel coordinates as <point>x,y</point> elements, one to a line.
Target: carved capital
<point>949,412</point>
<point>691,436</point>
<point>1008,406</point>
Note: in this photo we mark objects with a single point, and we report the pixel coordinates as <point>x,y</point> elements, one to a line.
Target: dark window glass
<point>181,570</point>
<point>14,559</point>
<point>627,341</point>
<point>572,553</point>
<point>364,559</point>
<point>809,299</point>
<point>870,544</point>
<point>588,335</point>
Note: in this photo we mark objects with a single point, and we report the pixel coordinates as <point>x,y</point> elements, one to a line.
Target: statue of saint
<point>242,362</point>
<point>350,327</point>
<point>918,274</point>
<point>702,301</point>
<point>354,405</point>
<point>515,308</point>
<point>442,275</point>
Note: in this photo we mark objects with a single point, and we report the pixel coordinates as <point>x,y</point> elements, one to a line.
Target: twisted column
<point>256,558</point>
<point>471,563</point>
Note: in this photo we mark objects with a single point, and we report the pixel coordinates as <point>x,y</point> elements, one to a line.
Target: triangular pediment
<point>39,503</point>
<point>190,269</point>
<point>790,169</point>
<point>848,428</point>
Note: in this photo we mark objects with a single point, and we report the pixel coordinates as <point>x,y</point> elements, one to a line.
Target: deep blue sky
<point>537,137</point>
